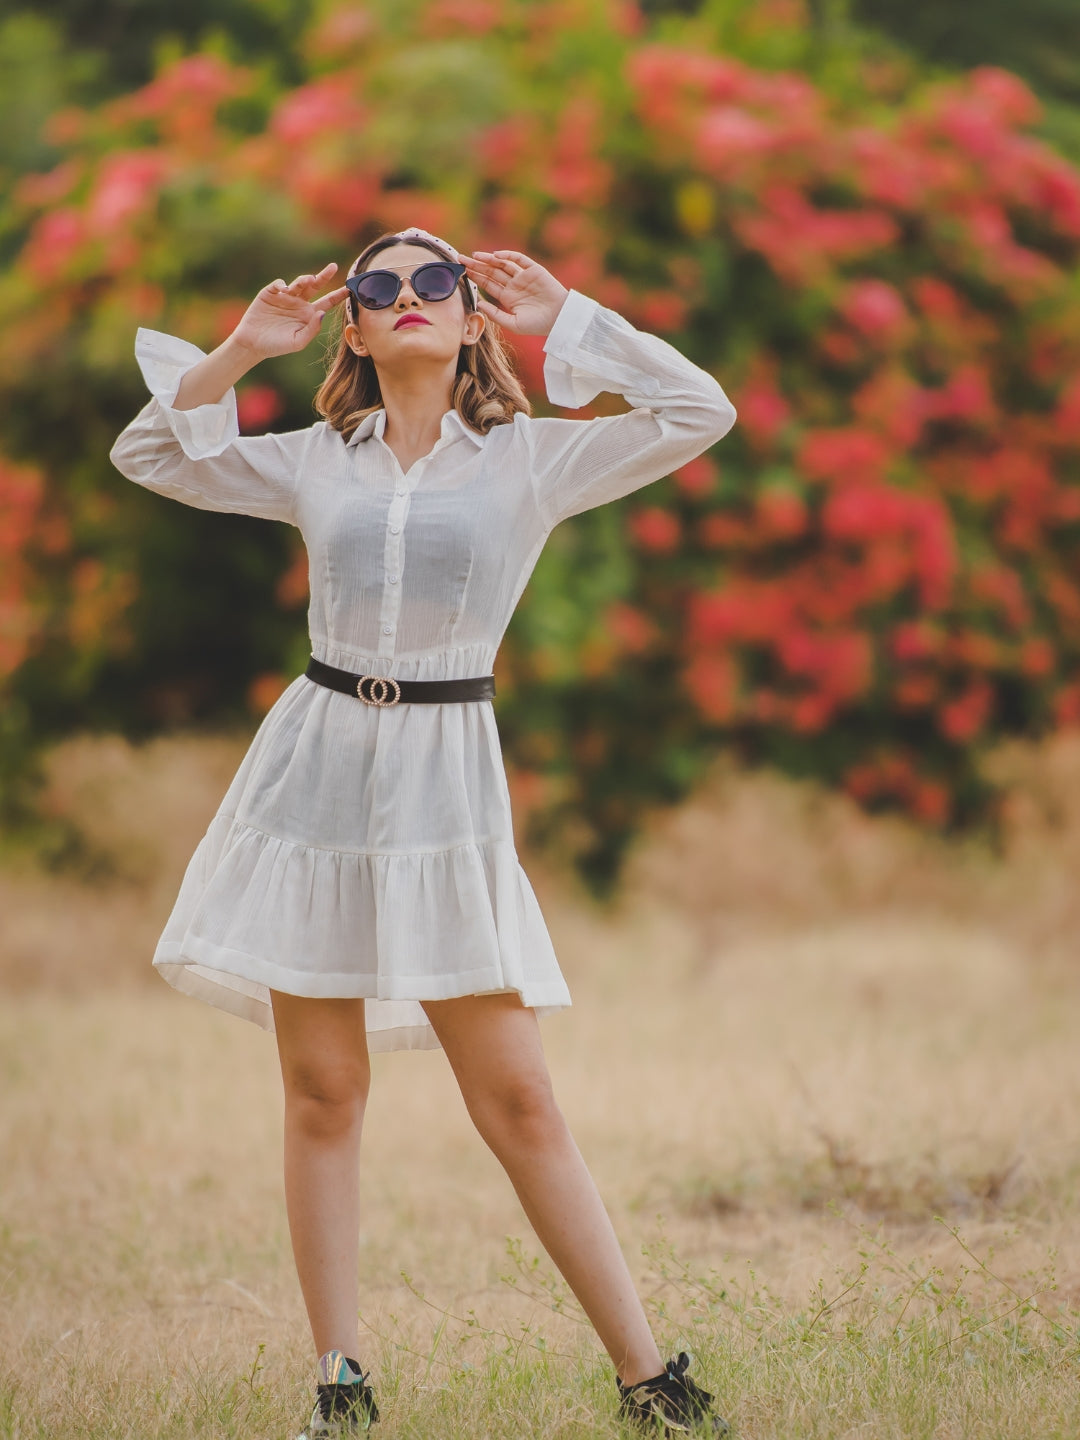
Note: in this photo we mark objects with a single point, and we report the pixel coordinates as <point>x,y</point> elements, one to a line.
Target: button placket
<point>393,557</point>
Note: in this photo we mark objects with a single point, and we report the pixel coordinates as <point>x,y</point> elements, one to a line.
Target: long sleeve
<point>679,411</point>
<point>198,456</point>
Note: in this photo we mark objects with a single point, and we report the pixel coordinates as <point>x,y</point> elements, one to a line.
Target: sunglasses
<point>378,289</point>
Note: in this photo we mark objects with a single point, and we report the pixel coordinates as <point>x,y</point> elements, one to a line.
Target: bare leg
<point>493,1045</point>
<point>322,1045</point>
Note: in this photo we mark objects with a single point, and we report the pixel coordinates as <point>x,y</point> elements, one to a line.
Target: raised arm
<point>679,409</point>
<point>282,318</point>
<point>186,442</point>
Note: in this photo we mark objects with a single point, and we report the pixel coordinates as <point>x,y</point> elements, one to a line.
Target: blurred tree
<point>124,40</point>
<point>38,75</point>
<point>1039,39</point>
<point>873,578</point>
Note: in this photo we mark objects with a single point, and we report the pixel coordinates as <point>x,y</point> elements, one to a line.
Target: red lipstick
<point>411,319</point>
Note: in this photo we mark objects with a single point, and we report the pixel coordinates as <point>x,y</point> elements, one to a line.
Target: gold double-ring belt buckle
<point>381,690</point>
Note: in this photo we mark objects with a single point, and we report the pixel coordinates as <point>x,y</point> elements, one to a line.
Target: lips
<point>411,320</point>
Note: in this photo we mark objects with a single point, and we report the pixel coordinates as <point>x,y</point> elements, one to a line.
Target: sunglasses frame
<point>354,281</point>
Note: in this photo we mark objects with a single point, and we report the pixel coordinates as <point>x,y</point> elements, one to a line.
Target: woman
<point>359,886</point>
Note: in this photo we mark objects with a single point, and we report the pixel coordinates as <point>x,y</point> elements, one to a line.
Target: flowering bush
<point>872,579</point>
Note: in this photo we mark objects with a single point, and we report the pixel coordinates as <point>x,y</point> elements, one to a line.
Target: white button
<point>387,629</point>
<point>395,529</point>
<point>400,490</point>
<point>393,579</point>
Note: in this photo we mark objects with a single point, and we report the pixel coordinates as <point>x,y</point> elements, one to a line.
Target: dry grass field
<point>825,1070</point>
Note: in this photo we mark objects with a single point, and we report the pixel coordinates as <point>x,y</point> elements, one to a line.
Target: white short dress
<point>366,852</point>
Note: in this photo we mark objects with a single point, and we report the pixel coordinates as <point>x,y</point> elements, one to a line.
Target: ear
<point>475,325</point>
<point>355,340</point>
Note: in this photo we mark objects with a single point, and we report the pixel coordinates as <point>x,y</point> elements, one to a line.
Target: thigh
<point>491,1041</point>
<point>320,1042</point>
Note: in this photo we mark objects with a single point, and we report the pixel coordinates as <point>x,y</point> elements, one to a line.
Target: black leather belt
<point>382,691</point>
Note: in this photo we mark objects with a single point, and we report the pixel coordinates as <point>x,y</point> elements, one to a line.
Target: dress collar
<point>452,427</point>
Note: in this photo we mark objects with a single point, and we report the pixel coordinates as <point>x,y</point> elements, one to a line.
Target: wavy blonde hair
<point>486,390</point>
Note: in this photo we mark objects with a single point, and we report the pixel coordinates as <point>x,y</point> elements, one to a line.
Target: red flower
<point>781,512</point>
<point>257,407</point>
<point>1067,705</point>
<point>54,242</point>
<point>963,718</point>
<point>876,310</point>
<point>662,310</point>
<point>809,714</point>
<point>127,184</point>
<point>1005,96</point>
<point>291,590</point>
<point>842,455</point>
<point>697,477</point>
<point>265,690</point>
<point>324,107</point>
<point>800,242</point>
<point>632,631</point>
<point>763,411</point>
<point>1066,427</point>
<point>840,662</point>
<point>713,683</point>
<point>930,802</point>
<point>861,782</point>
<point>1002,587</point>
<point>893,403</point>
<point>936,298</point>
<point>861,512</point>
<point>744,610</point>
<point>723,532</point>
<point>728,135</point>
<point>916,640</point>
<point>474,17</point>
<point>916,692</point>
<point>967,396</point>
<point>656,530</point>
<point>1037,657</point>
<point>974,649</point>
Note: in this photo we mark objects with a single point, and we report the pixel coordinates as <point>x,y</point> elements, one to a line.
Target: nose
<point>407,296</point>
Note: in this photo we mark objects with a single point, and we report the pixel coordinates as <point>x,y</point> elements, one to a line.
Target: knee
<point>325,1099</point>
<point>519,1115</point>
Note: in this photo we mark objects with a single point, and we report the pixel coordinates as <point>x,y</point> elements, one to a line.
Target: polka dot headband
<point>415,233</point>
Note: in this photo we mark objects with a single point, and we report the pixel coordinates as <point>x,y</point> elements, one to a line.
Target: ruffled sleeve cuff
<point>568,383</point>
<point>164,361</point>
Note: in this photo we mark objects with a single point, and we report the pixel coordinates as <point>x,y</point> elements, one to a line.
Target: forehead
<point>401,257</point>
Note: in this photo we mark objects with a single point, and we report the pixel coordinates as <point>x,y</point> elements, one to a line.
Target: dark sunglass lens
<point>434,282</point>
<point>377,290</point>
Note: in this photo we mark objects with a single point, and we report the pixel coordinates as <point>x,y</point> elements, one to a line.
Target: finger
<point>494,263</point>
<point>505,269</point>
<point>501,317</point>
<point>488,277</point>
<point>479,269</point>
<point>302,283</point>
<point>516,256</point>
<point>330,299</point>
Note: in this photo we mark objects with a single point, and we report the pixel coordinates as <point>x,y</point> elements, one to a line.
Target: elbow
<point>723,412</point>
<point>725,416</point>
<point>120,454</point>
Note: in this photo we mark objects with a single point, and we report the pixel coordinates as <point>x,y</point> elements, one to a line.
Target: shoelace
<point>687,1399</point>
<point>338,1401</point>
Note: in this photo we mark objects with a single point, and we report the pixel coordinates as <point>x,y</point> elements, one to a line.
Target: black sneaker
<point>344,1401</point>
<point>671,1404</point>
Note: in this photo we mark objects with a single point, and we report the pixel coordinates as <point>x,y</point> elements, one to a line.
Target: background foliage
<point>871,580</point>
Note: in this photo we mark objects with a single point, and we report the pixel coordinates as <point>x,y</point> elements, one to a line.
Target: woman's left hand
<point>528,297</point>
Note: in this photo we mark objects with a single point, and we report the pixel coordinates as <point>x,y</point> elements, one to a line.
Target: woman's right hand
<point>283,318</point>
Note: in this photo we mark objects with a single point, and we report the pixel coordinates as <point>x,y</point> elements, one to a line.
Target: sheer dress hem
<point>250,902</point>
